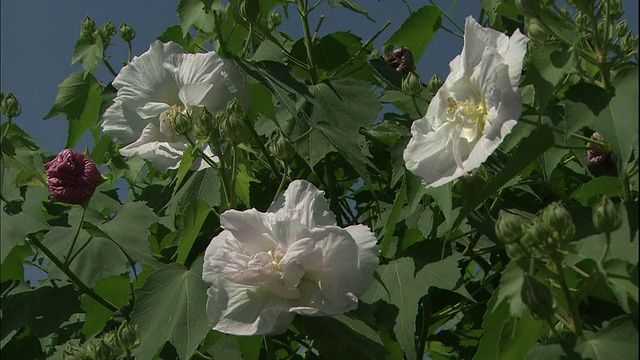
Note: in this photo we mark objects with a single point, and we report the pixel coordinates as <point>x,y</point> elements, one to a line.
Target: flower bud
<point>535,30</point>
<point>538,234</point>
<point>109,28</point>
<point>105,350</point>
<point>616,9</point>
<point>606,218</point>
<point>537,297</point>
<point>203,124</point>
<point>600,161</point>
<point>434,84</point>
<point>72,177</point>
<point>282,148</point>
<point>232,124</point>
<point>528,7</point>
<point>509,227</point>
<point>558,220</point>
<point>622,28</point>
<point>401,59</point>
<point>412,84</point>
<point>274,20</point>
<point>127,336</point>
<point>629,44</point>
<point>88,27</point>
<point>127,33</point>
<point>10,106</point>
<point>250,10</point>
<point>73,352</point>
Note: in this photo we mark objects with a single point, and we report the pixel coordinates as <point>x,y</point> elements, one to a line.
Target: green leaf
<point>604,185</point>
<point>400,288</point>
<point>442,196</point>
<point>14,228</point>
<point>351,6</point>
<point>417,31</point>
<point>340,109</point>
<point>203,184</point>
<point>392,220</point>
<point>175,34</point>
<point>129,229</point>
<point>529,149</point>
<point>622,279</point>
<point>171,306</point>
<point>612,115</point>
<point>43,309</point>
<point>341,337</point>
<point>117,290</point>
<point>197,13</point>
<point>510,288</point>
<point>13,265</point>
<point>617,340</point>
<point>192,220</point>
<point>88,53</point>
<point>506,337</point>
<point>443,274</point>
<point>79,99</point>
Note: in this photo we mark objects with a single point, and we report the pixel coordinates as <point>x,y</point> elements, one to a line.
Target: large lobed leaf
<point>171,306</point>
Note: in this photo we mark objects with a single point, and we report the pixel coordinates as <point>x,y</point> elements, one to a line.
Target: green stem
<point>281,185</point>
<point>364,46</point>
<point>606,247</point>
<point>67,260</point>
<point>447,16</point>
<point>218,30</point>
<point>6,130</point>
<point>221,167</point>
<point>302,10</point>
<point>82,287</point>
<point>261,146</point>
<point>108,65</point>
<point>560,131</point>
<point>129,51</point>
<point>571,304</point>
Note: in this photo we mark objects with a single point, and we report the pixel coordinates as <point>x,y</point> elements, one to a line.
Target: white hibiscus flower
<point>162,82</point>
<point>266,267</point>
<point>473,111</point>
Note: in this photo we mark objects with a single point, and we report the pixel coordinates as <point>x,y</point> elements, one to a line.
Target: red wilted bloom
<point>72,177</point>
<point>600,162</point>
<point>401,59</point>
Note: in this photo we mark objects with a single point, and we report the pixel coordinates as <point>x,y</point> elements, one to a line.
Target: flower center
<point>173,120</point>
<point>470,115</point>
<point>275,262</point>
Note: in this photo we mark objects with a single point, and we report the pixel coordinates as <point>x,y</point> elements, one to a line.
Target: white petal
<point>367,255</point>
<point>246,310</point>
<point>303,202</point>
<point>251,229</point>
<point>122,123</point>
<point>192,95</point>
<point>152,109</point>
<point>154,146</point>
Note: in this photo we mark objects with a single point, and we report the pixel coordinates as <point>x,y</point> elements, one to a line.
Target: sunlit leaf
<point>170,306</point>
<point>14,228</point>
<point>197,13</point>
<point>617,340</point>
<point>417,30</point>
<point>89,53</point>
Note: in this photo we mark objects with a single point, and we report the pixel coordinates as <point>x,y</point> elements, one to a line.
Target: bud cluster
<point>109,347</point>
<point>412,84</point>
<point>232,122</point>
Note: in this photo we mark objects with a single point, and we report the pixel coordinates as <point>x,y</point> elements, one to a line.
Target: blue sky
<point>37,39</point>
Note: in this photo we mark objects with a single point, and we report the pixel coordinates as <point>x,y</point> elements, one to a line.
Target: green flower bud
<point>565,13</point>
<point>203,125</point>
<point>88,28</point>
<point>616,9</point>
<point>622,28</point>
<point>558,220</point>
<point>127,33</point>
<point>127,336</point>
<point>274,20</point>
<point>412,84</point>
<point>529,7</point>
<point>515,251</point>
<point>10,106</point>
<point>175,121</point>
<point>509,227</point>
<point>105,350</point>
<point>250,10</point>
<point>535,30</point>
<point>434,84</point>
<point>537,297</point>
<point>581,20</point>
<point>73,352</point>
<point>282,148</point>
<point>629,44</point>
<point>538,234</point>
<point>606,218</point>
<point>232,124</point>
<point>109,28</point>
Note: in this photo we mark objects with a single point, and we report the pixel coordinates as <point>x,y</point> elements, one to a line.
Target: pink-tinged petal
<point>154,146</point>
<point>303,202</point>
<point>251,228</point>
<point>246,310</point>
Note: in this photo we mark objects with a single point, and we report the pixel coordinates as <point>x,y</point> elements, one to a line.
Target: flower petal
<point>152,109</point>
<point>246,310</point>
<point>154,146</point>
<point>303,202</point>
<point>192,94</point>
<point>251,228</point>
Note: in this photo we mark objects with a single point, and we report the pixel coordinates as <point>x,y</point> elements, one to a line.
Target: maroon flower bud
<point>72,177</point>
<point>600,162</point>
<point>401,59</point>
